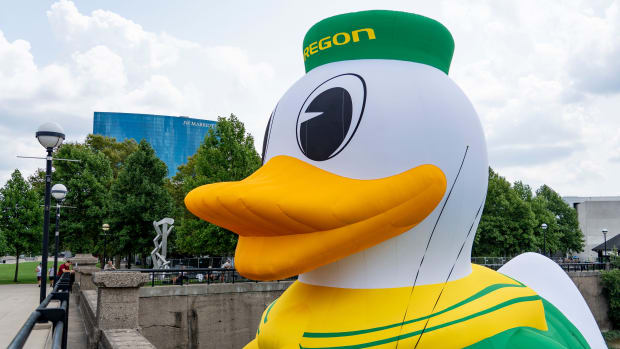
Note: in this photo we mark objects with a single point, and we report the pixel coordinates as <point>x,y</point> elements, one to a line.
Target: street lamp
<point>544,228</point>
<point>604,231</point>
<point>50,135</point>
<point>59,191</point>
<point>105,227</point>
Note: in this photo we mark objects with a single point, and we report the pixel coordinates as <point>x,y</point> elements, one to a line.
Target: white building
<point>596,213</point>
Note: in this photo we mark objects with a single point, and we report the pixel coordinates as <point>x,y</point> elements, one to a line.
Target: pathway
<point>77,334</point>
<point>16,304</point>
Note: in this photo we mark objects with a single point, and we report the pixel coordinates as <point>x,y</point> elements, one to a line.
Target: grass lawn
<point>26,275</point>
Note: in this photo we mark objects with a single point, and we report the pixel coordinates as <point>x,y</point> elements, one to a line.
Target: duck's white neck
<point>407,259</point>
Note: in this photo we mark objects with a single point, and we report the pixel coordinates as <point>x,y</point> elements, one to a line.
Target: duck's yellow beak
<point>292,217</point>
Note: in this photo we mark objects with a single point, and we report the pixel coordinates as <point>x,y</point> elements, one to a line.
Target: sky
<point>544,77</point>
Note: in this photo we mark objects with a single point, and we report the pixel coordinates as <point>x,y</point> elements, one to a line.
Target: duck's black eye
<point>267,133</point>
<point>330,116</point>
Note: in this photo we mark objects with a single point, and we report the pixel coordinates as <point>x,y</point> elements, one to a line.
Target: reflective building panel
<point>173,138</point>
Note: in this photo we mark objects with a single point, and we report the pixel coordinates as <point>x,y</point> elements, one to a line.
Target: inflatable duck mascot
<point>373,183</point>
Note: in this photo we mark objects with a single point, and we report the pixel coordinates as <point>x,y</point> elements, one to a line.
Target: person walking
<point>51,274</point>
<point>39,274</point>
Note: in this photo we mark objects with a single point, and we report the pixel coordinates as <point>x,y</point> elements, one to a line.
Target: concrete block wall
<point>590,285</point>
<point>205,316</point>
<point>110,312</point>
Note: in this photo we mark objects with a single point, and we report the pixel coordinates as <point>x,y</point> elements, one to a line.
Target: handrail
<point>565,266</point>
<point>186,275</point>
<point>24,332</point>
<point>58,316</point>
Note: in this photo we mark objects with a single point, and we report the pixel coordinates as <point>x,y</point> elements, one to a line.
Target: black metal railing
<point>59,316</point>
<point>184,276</point>
<point>566,266</point>
<point>582,266</point>
<point>199,262</point>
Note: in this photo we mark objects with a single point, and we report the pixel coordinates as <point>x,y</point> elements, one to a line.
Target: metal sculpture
<point>158,255</point>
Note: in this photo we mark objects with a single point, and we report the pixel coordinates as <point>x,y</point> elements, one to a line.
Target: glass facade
<point>173,138</point>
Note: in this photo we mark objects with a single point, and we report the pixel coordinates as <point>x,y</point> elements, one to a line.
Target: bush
<point>611,288</point>
<point>615,260</point>
<point>611,336</point>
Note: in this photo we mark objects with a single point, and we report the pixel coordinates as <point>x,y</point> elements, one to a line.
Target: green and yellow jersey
<point>483,310</point>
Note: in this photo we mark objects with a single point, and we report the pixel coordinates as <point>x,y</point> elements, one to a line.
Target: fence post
<point>117,299</point>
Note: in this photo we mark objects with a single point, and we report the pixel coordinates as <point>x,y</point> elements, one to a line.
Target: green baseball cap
<point>378,34</point>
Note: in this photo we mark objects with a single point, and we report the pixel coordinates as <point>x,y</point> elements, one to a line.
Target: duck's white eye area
<point>330,116</point>
<point>267,134</point>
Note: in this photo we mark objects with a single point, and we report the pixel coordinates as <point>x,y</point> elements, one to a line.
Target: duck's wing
<point>551,282</point>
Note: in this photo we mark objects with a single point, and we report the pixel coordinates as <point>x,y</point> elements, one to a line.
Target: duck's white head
<point>375,164</point>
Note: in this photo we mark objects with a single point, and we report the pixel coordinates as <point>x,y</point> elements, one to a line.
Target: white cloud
<point>18,73</point>
<point>543,76</point>
<point>114,64</point>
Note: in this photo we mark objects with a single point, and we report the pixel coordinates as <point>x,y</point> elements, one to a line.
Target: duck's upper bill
<point>292,217</point>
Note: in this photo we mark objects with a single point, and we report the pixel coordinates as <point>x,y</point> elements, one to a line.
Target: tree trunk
<point>117,262</point>
<point>129,261</point>
<point>16,265</point>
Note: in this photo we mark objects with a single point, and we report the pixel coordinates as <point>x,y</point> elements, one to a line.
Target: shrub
<point>611,288</point>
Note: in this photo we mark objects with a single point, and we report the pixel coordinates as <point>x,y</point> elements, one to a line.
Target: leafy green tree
<point>138,197</point>
<point>20,217</point>
<point>88,183</point>
<point>37,182</point>
<point>4,248</point>
<point>507,223</point>
<point>523,190</point>
<point>549,236</point>
<point>116,152</point>
<point>227,154</point>
<point>512,218</point>
<point>541,214</point>
<point>569,237</point>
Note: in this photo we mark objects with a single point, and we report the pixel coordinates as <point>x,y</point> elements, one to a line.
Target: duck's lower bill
<point>292,217</point>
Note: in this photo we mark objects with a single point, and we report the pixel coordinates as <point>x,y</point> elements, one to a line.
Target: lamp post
<point>59,191</point>
<point>105,227</point>
<point>544,228</point>
<point>604,231</point>
<point>50,135</point>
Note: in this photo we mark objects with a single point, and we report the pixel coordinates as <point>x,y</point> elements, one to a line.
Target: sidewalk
<point>16,304</point>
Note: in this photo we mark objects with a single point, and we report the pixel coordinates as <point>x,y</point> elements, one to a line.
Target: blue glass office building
<point>173,138</point>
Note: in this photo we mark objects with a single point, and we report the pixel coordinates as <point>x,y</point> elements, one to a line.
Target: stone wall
<point>590,285</point>
<point>110,312</point>
<point>205,316</point>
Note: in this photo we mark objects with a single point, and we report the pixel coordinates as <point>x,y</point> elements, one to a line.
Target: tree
<point>542,215</point>
<point>569,237</point>
<point>507,223</point>
<point>227,154</point>
<point>88,183</point>
<point>512,218</point>
<point>523,190</point>
<point>546,239</point>
<point>20,217</point>
<point>138,197</point>
<point>4,248</point>
<point>116,152</point>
